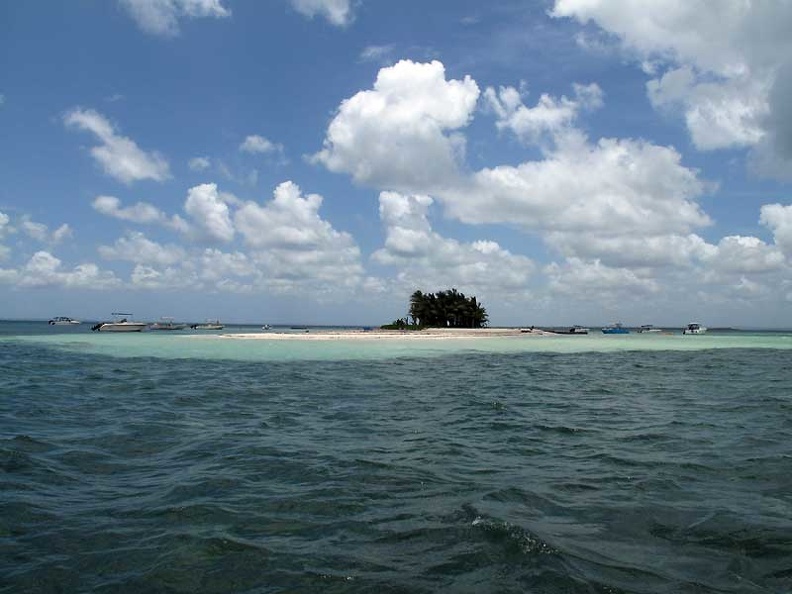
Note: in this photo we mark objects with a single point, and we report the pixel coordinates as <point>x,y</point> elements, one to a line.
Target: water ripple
<point>585,472</point>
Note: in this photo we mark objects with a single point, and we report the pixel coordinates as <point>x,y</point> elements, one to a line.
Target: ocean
<point>169,462</point>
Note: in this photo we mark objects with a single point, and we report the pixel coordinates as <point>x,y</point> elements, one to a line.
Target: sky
<point>317,161</point>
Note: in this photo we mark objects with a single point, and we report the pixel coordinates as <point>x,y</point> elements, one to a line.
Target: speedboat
<point>121,324</point>
<point>573,330</point>
<point>616,328</point>
<point>208,325</point>
<point>694,328</point>
<point>648,328</point>
<point>167,324</point>
<point>62,321</point>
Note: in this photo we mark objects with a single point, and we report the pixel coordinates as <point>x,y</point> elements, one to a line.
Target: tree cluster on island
<point>444,309</point>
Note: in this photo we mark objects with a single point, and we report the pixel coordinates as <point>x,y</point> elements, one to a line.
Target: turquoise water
<point>215,345</point>
<point>174,463</point>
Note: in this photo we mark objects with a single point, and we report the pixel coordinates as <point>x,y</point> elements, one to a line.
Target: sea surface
<point>174,462</point>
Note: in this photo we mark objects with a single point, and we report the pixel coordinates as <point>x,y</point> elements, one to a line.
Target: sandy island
<point>379,334</point>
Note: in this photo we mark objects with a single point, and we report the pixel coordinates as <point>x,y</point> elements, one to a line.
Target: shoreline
<point>380,334</point>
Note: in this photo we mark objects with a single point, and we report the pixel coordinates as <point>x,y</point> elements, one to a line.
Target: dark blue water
<point>617,472</point>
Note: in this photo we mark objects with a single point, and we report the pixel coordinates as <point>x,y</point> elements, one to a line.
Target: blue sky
<point>316,161</point>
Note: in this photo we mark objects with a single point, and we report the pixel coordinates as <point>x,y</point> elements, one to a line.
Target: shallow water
<point>150,463</point>
<point>217,345</point>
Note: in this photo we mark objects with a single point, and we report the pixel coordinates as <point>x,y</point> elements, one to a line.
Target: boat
<point>62,321</point>
<point>208,325</point>
<point>572,330</point>
<point>167,324</point>
<point>266,327</point>
<point>121,324</point>
<point>694,328</point>
<point>616,328</point>
<point>648,329</point>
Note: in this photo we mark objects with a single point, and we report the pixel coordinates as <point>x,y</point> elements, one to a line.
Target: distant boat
<point>208,325</point>
<point>122,324</point>
<point>648,328</point>
<point>694,328</point>
<point>266,327</point>
<point>616,328</point>
<point>62,321</point>
<point>167,324</point>
<point>572,330</point>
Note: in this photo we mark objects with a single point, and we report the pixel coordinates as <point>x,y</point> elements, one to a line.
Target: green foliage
<point>400,324</point>
<point>446,309</point>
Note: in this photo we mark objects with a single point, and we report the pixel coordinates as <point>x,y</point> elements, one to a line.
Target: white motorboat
<point>208,325</point>
<point>694,328</point>
<point>121,324</point>
<point>62,321</point>
<point>616,328</point>
<point>573,330</point>
<point>648,329</point>
<point>167,323</point>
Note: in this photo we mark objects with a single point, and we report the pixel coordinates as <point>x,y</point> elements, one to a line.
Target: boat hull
<point>63,322</point>
<point>121,327</point>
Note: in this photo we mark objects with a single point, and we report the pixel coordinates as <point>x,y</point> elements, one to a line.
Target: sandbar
<point>380,334</point>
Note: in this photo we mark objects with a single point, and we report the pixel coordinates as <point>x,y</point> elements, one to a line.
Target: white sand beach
<point>379,334</point>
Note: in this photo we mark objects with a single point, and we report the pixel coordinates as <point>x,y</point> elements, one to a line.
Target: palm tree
<point>446,309</point>
<point>418,308</point>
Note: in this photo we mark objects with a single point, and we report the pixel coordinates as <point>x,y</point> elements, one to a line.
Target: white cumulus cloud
<point>293,245</point>
<point>199,163</point>
<point>401,134</point>
<point>45,270</point>
<point>607,284</point>
<point>140,212</point>
<point>136,247</point>
<point>621,186</point>
<point>216,266</point>
<point>549,116</point>
<point>337,12</point>
<point>161,17</point>
<point>258,144</point>
<point>725,65</point>
<point>5,230</point>
<point>632,251</point>
<point>425,258</point>
<point>40,232</point>
<point>778,218</point>
<point>119,156</point>
<point>209,213</point>
<point>744,255</point>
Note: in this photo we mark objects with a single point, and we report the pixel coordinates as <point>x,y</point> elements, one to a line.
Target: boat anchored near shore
<point>208,325</point>
<point>120,324</point>
<point>167,323</point>
<point>576,330</point>
<point>694,328</point>
<point>63,321</point>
